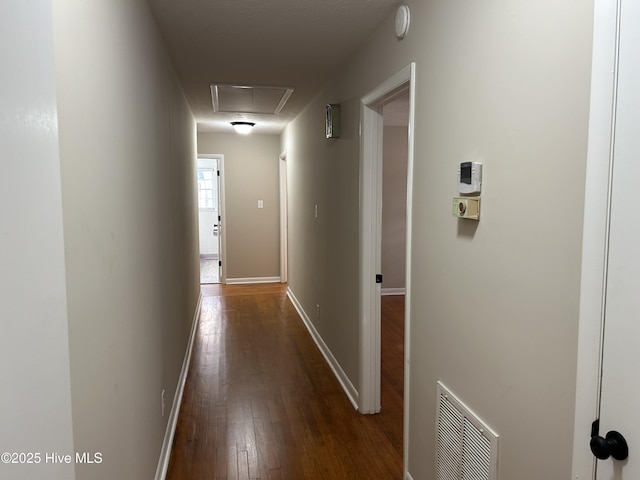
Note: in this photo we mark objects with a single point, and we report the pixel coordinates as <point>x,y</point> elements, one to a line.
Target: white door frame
<point>370,236</point>
<point>221,224</point>
<point>283,218</point>
<point>596,225</point>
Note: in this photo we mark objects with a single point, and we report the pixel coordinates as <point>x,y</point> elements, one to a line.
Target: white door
<point>208,211</point>
<point>620,397</point>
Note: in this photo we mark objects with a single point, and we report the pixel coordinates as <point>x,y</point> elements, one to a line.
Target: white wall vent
<point>466,448</point>
<point>249,98</point>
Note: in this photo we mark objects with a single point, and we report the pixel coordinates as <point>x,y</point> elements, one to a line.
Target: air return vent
<point>466,449</point>
<point>249,98</point>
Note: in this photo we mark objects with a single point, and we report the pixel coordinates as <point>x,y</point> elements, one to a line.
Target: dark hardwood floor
<point>260,401</point>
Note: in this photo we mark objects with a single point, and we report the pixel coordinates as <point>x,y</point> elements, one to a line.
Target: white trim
<point>246,280</point>
<point>370,186</point>
<point>283,217</point>
<point>347,386</point>
<point>165,452</point>
<point>594,234</point>
<point>408,476</point>
<point>408,253</point>
<point>223,223</point>
<point>392,291</point>
<point>370,258</point>
<point>371,229</point>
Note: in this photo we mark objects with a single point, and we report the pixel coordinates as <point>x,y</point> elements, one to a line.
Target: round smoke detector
<point>403,17</point>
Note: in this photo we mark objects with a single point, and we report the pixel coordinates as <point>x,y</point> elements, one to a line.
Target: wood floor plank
<point>260,401</point>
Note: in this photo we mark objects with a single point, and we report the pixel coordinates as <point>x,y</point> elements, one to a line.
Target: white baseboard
<point>393,291</point>
<point>165,453</point>
<point>408,476</point>
<point>346,384</point>
<point>240,281</point>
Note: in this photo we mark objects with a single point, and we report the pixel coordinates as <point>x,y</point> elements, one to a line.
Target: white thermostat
<point>470,177</point>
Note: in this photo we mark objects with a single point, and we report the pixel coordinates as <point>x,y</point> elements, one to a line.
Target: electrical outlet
<point>162,400</point>
<point>316,211</point>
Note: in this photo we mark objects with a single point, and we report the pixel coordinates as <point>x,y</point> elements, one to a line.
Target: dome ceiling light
<point>243,127</point>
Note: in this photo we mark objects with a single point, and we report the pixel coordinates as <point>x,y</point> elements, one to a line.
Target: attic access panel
<point>249,98</point>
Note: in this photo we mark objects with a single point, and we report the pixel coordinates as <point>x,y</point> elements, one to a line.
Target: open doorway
<point>209,181</point>
<point>371,278</point>
<point>395,113</point>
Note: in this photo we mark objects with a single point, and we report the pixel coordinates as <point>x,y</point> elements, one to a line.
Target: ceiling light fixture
<point>243,127</point>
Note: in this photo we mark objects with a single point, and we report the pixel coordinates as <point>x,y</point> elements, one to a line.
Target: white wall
<point>250,174</point>
<point>506,83</point>
<point>128,155</point>
<point>394,206</point>
<point>323,251</point>
<point>35,404</point>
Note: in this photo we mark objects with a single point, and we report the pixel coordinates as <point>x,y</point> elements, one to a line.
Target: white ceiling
<point>291,43</point>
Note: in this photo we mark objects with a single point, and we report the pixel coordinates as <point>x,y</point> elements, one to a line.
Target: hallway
<point>260,401</point>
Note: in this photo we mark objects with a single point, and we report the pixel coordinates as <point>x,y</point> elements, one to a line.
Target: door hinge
<point>218,172</point>
<point>219,263</point>
<point>378,278</point>
<point>219,218</point>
